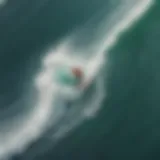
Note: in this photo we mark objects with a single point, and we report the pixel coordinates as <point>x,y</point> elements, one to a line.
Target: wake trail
<point>17,138</point>
<point>118,22</point>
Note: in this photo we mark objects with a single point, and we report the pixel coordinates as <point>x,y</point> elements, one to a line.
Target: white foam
<point>31,127</point>
<point>3,2</point>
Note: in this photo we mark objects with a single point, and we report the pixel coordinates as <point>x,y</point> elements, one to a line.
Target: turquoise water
<point>128,125</point>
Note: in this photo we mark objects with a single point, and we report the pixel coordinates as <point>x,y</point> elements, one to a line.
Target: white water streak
<point>18,138</point>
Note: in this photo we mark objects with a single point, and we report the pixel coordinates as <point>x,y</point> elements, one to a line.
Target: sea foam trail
<point>16,139</point>
<point>118,22</point>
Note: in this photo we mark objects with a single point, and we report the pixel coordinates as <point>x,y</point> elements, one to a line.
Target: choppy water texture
<point>113,114</point>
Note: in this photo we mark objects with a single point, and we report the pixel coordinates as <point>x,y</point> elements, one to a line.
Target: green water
<point>128,125</point>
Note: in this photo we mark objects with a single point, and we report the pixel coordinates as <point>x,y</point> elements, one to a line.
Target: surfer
<point>70,77</point>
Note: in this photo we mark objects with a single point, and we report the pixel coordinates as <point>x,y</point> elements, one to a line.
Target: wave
<point>86,46</point>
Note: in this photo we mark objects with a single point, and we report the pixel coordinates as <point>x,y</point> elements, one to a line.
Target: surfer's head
<point>77,72</point>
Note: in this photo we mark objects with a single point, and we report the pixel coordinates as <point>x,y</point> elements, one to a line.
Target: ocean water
<point>122,118</point>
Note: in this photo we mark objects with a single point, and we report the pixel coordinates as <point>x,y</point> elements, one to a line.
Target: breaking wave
<point>87,46</point>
